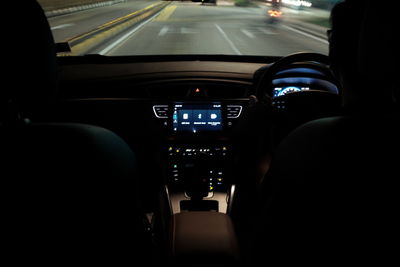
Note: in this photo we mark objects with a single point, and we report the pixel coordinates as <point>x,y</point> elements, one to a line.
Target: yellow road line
<point>81,48</point>
<point>86,41</point>
<point>126,16</point>
<point>166,13</point>
<point>110,23</point>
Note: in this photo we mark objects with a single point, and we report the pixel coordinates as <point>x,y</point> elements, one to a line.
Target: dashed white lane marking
<point>247,33</point>
<point>181,30</point>
<point>62,26</point>
<point>306,34</point>
<point>234,48</point>
<point>163,31</point>
<point>185,30</point>
<point>265,31</point>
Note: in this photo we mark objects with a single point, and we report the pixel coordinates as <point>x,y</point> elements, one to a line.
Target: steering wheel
<point>267,74</point>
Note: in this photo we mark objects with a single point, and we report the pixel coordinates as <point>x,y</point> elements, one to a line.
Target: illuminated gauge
<point>288,90</point>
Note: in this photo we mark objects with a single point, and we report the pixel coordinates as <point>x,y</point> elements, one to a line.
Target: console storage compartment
<point>202,237</point>
<point>199,205</point>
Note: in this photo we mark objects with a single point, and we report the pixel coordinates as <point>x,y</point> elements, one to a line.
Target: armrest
<point>203,237</point>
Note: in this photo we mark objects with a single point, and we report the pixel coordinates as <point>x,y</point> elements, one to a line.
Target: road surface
<point>192,28</point>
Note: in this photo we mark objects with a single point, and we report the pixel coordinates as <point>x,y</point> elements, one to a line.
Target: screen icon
<point>185,116</point>
<point>213,116</point>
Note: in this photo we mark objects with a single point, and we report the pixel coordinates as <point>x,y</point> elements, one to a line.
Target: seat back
<point>332,188</point>
<point>69,191</point>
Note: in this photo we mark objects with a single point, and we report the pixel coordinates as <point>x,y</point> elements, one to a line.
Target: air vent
<point>161,111</point>
<point>233,111</point>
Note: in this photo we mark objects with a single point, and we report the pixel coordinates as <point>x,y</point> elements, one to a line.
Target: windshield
<point>223,27</point>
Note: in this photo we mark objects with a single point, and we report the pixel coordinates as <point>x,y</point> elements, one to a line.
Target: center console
<point>198,177</point>
<point>197,155</point>
<point>197,158</point>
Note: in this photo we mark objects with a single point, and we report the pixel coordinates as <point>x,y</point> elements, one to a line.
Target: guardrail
<point>60,7</point>
<point>85,42</point>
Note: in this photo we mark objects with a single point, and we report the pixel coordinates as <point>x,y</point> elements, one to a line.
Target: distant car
<point>209,1</point>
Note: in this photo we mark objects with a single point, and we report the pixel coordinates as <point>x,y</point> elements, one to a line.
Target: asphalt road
<point>67,26</point>
<point>192,28</point>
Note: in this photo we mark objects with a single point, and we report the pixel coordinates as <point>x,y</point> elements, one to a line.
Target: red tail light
<point>274,13</point>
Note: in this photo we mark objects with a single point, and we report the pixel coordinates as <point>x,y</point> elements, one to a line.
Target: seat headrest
<point>363,52</point>
<point>378,51</point>
<point>31,74</point>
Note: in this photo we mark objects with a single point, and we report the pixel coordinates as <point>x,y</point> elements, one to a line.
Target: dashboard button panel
<point>205,163</point>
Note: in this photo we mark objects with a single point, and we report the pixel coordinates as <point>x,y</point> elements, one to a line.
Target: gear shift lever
<point>196,184</point>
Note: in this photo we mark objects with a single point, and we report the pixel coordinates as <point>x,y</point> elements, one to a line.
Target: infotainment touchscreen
<point>197,117</point>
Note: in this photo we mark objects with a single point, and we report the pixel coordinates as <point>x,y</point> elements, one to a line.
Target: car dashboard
<point>181,115</point>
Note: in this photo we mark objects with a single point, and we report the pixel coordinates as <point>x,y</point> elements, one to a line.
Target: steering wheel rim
<point>268,74</point>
